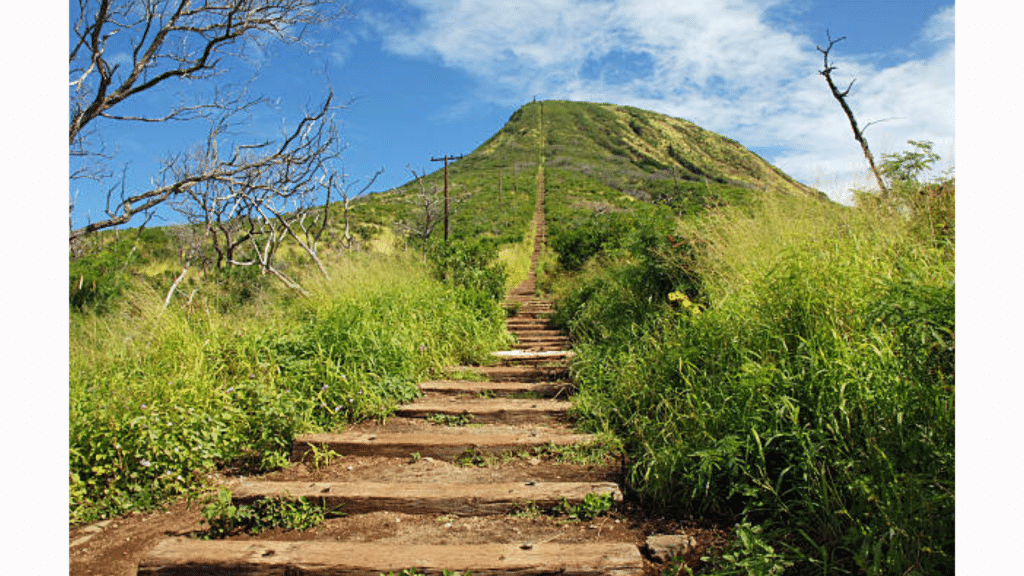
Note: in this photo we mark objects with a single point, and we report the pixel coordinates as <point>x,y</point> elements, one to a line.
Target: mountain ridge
<point>612,149</point>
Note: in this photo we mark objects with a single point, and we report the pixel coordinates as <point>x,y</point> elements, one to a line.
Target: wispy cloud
<point>941,27</point>
<point>720,65</point>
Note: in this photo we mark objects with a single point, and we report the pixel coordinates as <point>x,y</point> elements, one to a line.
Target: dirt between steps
<point>116,547</point>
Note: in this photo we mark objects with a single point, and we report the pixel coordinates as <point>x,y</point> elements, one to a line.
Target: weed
<point>528,396</point>
<point>471,458</point>
<point>158,397</point>
<point>529,510</point>
<point>598,451</point>
<point>592,506</point>
<point>415,572</point>
<point>322,456</point>
<point>677,567</point>
<point>812,391</point>
<point>451,419</point>
<point>223,517</point>
<point>749,553</point>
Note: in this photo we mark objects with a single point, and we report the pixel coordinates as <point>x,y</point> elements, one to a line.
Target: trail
<point>424,490</point>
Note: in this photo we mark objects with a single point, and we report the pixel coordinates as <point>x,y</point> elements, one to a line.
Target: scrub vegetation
<point>786,366</point>
<point>765,358</point>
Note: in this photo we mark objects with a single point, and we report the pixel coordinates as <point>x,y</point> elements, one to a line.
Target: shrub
<point>810,399</point>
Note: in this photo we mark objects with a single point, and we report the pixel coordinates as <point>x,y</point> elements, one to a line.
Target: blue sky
<point>427,78</point>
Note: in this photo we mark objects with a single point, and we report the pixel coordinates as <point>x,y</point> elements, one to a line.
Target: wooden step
<point>178,556</point>
<point>539,347</point>
<point>442,444</point>
<point>460,499</point>
<point>516,373</point>
<point>550,389</point>
<point>541,333</point>
<point>526,336</point>
<point>526,320</point>
<point>523,355</point>
<point>517,328</point>
<point>541,339</point>
<point>521,339</point>
<point>489,410</point>
<point>534,357</point>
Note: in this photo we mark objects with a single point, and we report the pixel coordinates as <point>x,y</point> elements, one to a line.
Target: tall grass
<point>517,258</point>
<point>810,399</point>
<point>160,397</point>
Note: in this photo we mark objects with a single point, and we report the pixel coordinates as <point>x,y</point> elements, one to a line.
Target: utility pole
<point>445,159</point>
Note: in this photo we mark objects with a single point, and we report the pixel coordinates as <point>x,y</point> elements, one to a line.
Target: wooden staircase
<point>520,408</point>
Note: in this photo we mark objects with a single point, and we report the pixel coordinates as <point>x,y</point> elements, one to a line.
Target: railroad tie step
<point>459,499</point>
<point>179,556</point>
<point>488,410</point>
<point>442,444</point>
<point>540,333</point>
<point>526,322</point>
<point>538,347</point>
<point>498,389</point>
<point>516,373</point>
<point>520,355</point>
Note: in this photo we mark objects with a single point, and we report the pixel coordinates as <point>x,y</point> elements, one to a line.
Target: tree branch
<point>858,134</point>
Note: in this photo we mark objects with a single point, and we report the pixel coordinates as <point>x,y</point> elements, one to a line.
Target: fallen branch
<point>174,286</point>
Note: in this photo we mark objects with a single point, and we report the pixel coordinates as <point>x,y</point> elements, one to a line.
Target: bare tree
<point>858,134</point>
<point>346,188</point>
<point>121,49</point>
<point>429,210</point>
<point>254,197</point>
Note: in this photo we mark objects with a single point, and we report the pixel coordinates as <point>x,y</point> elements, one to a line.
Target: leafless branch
<point>858,134</point>
<point>261,194</point>
<point>121,49</point>
<point>429,207</point>
<point>346,201</point>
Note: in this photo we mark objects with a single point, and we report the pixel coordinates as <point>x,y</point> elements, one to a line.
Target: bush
<point>809,398</point>
<point>161,397</point>
<point>470,265</point>
<point>97,280</point>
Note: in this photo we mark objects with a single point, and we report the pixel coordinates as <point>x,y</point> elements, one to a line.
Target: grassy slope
<point>158,396</point>
<point>809,398</point>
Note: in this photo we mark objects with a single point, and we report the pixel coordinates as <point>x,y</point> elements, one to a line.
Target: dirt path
<point>457,480</point>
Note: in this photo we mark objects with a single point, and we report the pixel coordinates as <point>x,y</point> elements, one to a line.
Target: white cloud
<point>720,65</point>
<point>941,27</point>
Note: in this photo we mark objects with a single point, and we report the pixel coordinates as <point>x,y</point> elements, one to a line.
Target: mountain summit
<point>596,155</point>
<point>645,154</point>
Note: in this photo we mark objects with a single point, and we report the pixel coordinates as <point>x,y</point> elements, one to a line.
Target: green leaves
<point>224,517</point>
<point>812,394</point>
<point>909,166</point>
<point>159,398</point>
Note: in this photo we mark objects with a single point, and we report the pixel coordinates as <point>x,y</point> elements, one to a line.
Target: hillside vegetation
<point>770,360</point>
<point>787,366</point>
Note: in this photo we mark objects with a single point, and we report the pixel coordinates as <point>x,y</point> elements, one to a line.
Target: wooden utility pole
<point>445,159</point>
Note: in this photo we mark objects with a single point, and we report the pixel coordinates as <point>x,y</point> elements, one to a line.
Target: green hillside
<point>599,153</point>
<point>774,364</point>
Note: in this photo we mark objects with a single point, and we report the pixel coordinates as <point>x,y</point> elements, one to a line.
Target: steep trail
<point>414,502</point>
<point>462,479</point>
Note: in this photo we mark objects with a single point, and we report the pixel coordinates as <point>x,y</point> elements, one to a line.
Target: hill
<point>594,154</point>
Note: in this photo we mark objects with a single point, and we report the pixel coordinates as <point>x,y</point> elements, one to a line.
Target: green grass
<point>159,397</point>
<point>807,392</point>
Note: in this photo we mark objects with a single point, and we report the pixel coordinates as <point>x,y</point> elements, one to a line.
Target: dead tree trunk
<point>858,134</point>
